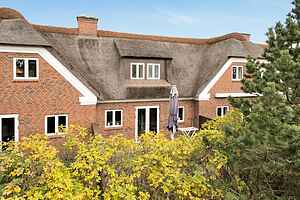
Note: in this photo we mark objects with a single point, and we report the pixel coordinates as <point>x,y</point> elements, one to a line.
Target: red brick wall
<point>128,127</point>
<point>32,100</point>
<point>224,85</point>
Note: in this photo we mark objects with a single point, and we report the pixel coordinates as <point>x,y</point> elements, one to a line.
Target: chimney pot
<point>87,25</point>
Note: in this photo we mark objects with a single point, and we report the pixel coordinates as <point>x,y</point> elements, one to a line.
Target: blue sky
<point>186,18</point>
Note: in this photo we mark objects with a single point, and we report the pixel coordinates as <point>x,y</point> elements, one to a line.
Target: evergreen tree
<point>265,153</point>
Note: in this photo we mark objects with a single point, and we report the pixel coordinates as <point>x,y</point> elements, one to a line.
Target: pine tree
<point>268,145</point>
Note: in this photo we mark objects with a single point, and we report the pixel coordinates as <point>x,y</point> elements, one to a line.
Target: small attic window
<point>137,70</point>
<point>25,69</point>
<point>153,71</point>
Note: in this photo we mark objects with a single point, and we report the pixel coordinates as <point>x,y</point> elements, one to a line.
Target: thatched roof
<point>8,13</point>
<point>97,61</point>
<point>142,49</point>
<point>18,31</point>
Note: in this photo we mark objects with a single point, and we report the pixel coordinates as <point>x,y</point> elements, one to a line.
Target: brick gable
<point>32,100</point>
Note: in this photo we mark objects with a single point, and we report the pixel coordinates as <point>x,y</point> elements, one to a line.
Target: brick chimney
<point>247,36</point>
<point>87,25</point>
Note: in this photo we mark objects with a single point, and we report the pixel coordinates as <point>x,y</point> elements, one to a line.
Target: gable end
<point>87,96</point>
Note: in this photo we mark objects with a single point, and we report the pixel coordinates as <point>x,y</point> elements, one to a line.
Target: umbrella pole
<point>173,132</point>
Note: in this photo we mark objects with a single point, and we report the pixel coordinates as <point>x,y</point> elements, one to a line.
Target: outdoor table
<point>189,131</point>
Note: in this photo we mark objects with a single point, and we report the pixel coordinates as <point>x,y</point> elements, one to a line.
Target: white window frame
<point>237,73</point>
<point>153,64</point>
<point>222,110</point>
<point>147,125</point>
<point>56,124</point>
<point>180,121</point>
<point>114,119</point>
<point>16,117</point>
<point>137,71</point>
<point>26,69</point>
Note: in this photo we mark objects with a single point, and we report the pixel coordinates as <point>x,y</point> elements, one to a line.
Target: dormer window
<point>137,70</point>
<point>153,71</point>
<point>25,69</point>
<point>237,73</point>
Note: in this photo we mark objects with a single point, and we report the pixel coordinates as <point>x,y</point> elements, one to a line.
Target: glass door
<point>147,119</point>
<point>9,128</point>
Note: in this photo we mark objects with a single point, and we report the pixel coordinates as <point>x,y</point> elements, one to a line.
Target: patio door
<point>147,120</point>
<point>9,128</point>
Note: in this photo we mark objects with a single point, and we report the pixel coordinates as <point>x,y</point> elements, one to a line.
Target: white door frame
<point>16,117</point>
<point>147,119</point>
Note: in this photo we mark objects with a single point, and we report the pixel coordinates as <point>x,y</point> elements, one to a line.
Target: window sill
<point>25,80</point>
<point>56,136</point>
<point>113,128</point>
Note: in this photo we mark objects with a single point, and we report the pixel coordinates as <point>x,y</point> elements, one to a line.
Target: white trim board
<point>205,95</point>
<point>225,95</point>
<point>87,98</point>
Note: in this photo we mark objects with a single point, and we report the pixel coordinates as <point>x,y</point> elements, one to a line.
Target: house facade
<point>111,82</point>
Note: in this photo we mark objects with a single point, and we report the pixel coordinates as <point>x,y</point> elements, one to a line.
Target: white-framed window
<point>222,110</point>
<point>26,68</point>
<point>56,124</point>
<point>153,71</point>
<point>113,118</point>
<point>137,70</point>
<point>237,73</point>
<point>181,114</point>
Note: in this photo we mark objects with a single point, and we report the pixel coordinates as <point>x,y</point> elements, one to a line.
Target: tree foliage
<point>265,151</point>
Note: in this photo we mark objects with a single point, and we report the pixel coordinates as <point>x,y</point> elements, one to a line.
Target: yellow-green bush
<point>93,167</point>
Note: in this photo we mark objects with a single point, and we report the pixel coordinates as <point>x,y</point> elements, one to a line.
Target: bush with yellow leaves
<point>96,167</point>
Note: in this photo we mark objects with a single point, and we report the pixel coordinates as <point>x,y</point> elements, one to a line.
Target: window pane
<point>109,118</point>
<point>141,121</point>
<point>150,72</point>
<point>133,71</point>
<point>240,71</point>
<point>20,68</point>
<point>32,68</point>
<point>234,73</point>
<point>62,123</point>
<point>225,109</point>
<point>156,71</point>
<point>180,114</point>
<point>219,111</point>
<point>118,118</point>
<point>153,120</point>
<point>50,125</point>
<point>141,71</point>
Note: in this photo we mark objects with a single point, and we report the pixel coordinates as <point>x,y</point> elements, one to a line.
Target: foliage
<point>31,170</point>
<point>96,167</point>
<point>265,152</point>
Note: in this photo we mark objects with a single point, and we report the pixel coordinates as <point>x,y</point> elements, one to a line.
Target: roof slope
<point>96,60</point>
<point>18,31</point>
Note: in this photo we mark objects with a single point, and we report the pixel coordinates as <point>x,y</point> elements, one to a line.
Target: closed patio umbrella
<point>173,112</point>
